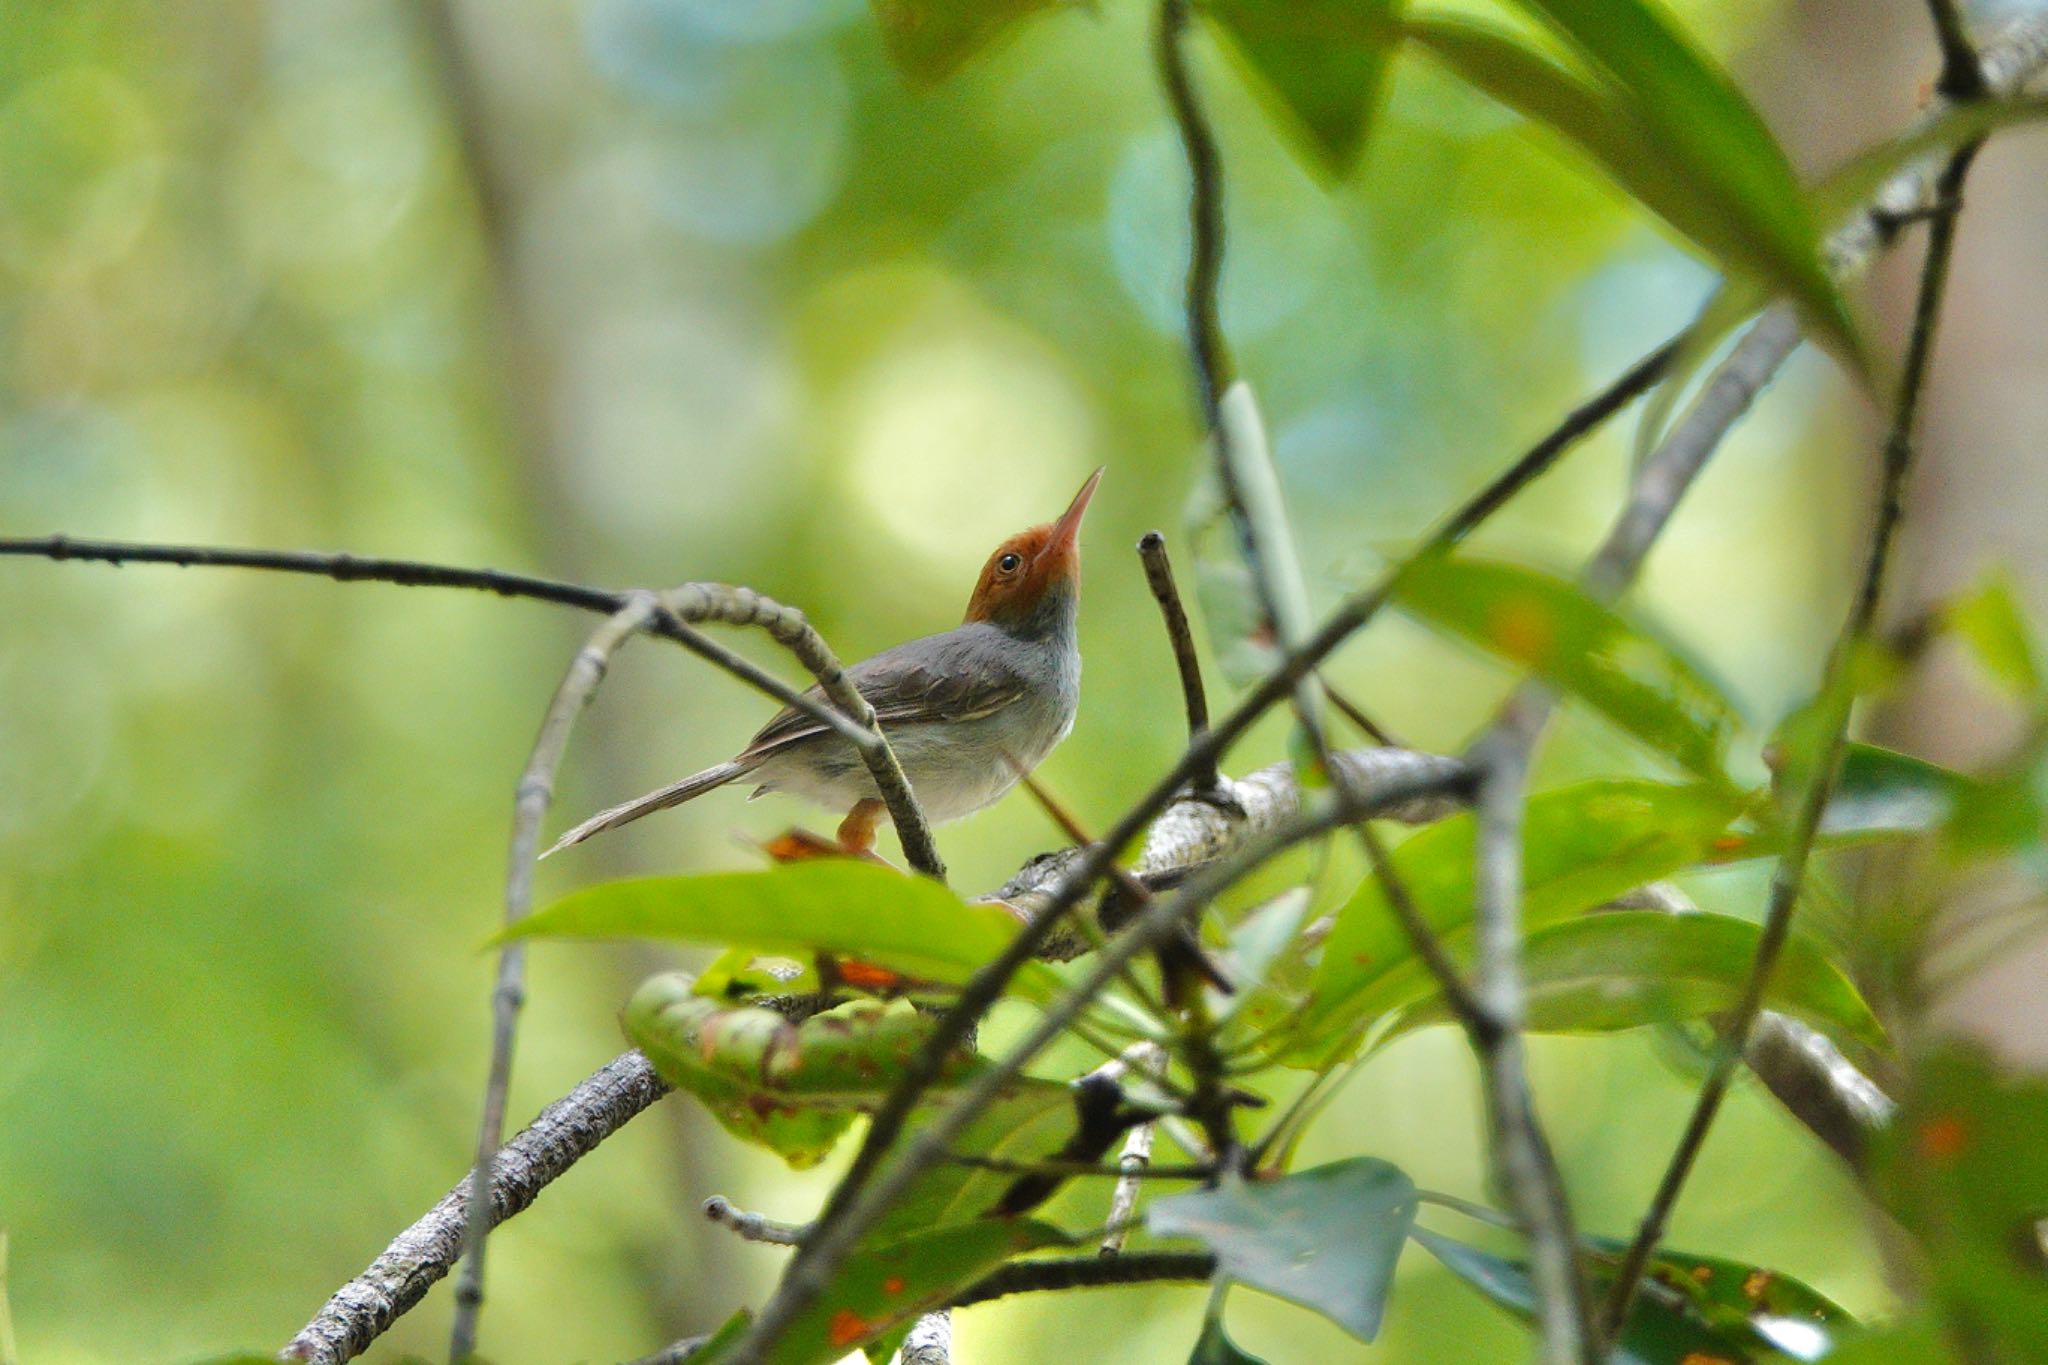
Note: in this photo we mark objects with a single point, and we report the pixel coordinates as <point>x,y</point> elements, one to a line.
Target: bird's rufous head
<point>1033,569</point>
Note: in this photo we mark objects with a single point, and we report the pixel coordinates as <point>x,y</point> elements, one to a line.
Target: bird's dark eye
<point>1009,563</point>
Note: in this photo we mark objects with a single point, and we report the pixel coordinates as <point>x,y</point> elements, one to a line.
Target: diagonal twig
<point>530,804</point>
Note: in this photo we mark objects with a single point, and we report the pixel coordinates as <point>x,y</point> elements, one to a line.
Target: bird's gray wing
<point>912,684</point>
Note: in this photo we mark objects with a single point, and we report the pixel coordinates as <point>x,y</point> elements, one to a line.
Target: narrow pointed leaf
<point>1701,125</point>
<point>1848,188</point>
<point>1326,1238</point>
<point>1624,969</point>
<point>910,924</point>
<point>1322,62</point>
<point>1620,668</point>
<point>1691,1309</point>
<point>1584,845</point>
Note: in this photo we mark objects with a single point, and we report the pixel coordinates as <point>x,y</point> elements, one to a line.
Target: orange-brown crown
<point>1032,565</point>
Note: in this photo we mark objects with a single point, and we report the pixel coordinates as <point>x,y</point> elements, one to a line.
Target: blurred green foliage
<point>775,317</point>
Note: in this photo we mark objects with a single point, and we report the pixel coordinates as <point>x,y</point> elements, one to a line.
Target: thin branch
<point>575,1125</point>
<point>1134,1162</point>
<point>1159,578</point>
<point>1074,1170</point>
<point>1244,467</point>
<point>754,1227</point>
<point>1526,1167</point>
<point>409,573</point>
<point>361,1310</point>
<point>1087,1272</point>
<point>1962,72</point>
<point>1856,630</point>
<point>529,807</point>
<point>930,1341</point>
<point>849,1216</point>
<point>787,627</point>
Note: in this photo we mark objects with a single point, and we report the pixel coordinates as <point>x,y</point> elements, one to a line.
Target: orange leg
<point>857,830</point>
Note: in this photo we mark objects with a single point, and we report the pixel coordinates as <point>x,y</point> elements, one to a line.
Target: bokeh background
<point>634,291</point>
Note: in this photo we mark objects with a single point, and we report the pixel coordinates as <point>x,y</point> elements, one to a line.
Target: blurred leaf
<point>1623,969</point>
<point>1989,620</point>
<point>1583,845</point>
<point>1258,943</point>
<point>1881,792</point>
<point>1751,214</point>
<point>1326,1238</point>
<point>1029,1121</point>
<point>1965,1169</point>
<point>1638,681</point>
<point>1915,1342</point>
<point>837,905</point>
<point>1214,1347</point>
<point>792,1088</point>
<point>1580,109</point>
<point>882,1286</point>
<point>1850,187</point>
<point>1323,62</point>
<point>1692,1310</point>
<point>931,38</point>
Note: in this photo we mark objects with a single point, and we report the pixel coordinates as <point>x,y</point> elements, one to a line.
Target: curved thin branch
<point>788,628</point>
<point>529,806</point>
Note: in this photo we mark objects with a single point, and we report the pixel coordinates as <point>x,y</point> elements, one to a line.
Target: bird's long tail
<point>674,794</point>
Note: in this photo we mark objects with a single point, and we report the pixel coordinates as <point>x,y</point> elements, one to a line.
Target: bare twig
<point>930,1341</point>
<point>1962,73</point>
<point>1087,1272</point>
<point>1839,693</point>
<point>1526,1167</point>
<point>409,573</point>
<point>361,1310</point>
<point>573,1126</point>
<point>1244,467</point>
<point>1134,1162</point>
<point>849,1216</point>
<point>788,628</point>
<point>1159,578</point>
<point>754,1227</point>
<point>530,804</point>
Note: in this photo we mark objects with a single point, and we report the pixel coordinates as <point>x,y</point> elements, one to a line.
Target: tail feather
<point>674,794</point>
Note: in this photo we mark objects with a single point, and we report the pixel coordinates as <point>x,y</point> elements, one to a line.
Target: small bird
<point>969,711</point>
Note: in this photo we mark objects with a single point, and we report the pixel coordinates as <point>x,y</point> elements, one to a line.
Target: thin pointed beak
<point>1066,532</point>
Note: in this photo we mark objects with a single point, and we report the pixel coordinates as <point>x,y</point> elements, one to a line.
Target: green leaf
<point>1583,845</point>
<point>1965,1168</point>
<point>909,924</point>
<point>929,39</point>
<point>1326,1238</point>
<point>1881,793</point>
<point>793,1088</point>
<point>1989,620</point>
<point>1624,969</point>
<point>1638,681</point>
<point>1322,63</point>
<point>883,1286</point>
<point>1581,109</point>
<point>1691,1309</point>
<point>1700,125</point>
<point>1214,1347</point>
<point>1850,187</point>
<point>1028,1122</point>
